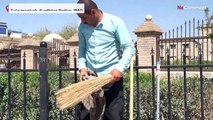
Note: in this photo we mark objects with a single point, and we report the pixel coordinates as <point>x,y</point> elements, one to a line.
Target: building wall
<point>3,29</point>
<point>30,58</point>
<point>176,50</point>
<point>72,49</point>
<point>145,43</point>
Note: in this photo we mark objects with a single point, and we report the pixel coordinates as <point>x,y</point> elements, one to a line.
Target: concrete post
<point>30,48</point>
<point>147,35</point>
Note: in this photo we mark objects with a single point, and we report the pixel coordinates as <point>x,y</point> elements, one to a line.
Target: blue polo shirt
<point>100,46</point>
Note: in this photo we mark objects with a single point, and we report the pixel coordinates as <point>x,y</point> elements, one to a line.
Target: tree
<point>209,19</point>
<point>67,31</point>
<point>42,33</point>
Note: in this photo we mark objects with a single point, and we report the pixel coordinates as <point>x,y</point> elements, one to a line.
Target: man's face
<point>87,19</point>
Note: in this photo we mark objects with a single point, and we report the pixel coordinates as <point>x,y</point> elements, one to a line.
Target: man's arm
<point>128,50</point>
<point>82,55</point>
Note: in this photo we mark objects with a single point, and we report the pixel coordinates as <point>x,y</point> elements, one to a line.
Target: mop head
<point>72,95</point>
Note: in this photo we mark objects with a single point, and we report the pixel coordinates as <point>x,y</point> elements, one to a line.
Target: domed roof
<point>51,36</point>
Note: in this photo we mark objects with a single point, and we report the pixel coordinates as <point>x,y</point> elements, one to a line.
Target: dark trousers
<point>114,103</point>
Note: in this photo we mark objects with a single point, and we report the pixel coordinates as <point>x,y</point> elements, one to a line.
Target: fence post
<point>44,93</point>
<point>169,86</point>
<point>200,52</point>
<point>25,87</point>
<point>9,85</point>
<point>137,83</point>
<point>153,83</point>
<point>77,107</point>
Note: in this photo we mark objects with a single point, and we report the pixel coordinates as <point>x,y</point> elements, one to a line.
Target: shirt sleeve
<point>127,46</point>
<point>81,51</point>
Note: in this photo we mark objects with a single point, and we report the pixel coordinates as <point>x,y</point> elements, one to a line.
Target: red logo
<point>7,8</point>
<point>180,7</point>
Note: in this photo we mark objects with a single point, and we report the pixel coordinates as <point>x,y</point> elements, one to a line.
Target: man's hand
<point>83,71</point>
<point>116,74</point>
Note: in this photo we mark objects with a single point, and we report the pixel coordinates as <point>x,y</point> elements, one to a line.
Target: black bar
<point>165,51</point>
<point>153,84</point>
<point>189,42</point>
<point>177,48</point>
<point>169,43</point>
<point>198,34</point>
<point>9,87</point>
<point>184,47</point>
<point>60,83</point>
<point>194,39</point>
<point>175,66</point>
<point>165,46</point>
<point>181,47</point>
<point>44,93</point>
<point>50,69</point>
<point>169,87</point>
<point>202,24</point>
<point>174,46</point>
<point>18,70</point>
<point>201,87</point>
<point>60,80</point>
<point>64,69</point>
<point>185,86</point>
<point>75,66</point>
<point>183,38</point>
<point>138,87</point>
<point>75,72</point>
<point>25,90</point>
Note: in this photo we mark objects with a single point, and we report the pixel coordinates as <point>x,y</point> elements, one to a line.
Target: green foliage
<point>143,77</point>
<point>210,36</point>
<point>42,33</point>
<point>145,97</point>
<point>32,86</point>
<point>209,19</point>
<point>68,31</point>
<point>177,98</point>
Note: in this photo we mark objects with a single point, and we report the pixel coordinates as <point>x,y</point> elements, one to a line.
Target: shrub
<point>177,98</point>
<point>32,86</point>
<point>146,99</point>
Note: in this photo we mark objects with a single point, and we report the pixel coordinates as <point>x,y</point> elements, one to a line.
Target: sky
<point>133,12</point>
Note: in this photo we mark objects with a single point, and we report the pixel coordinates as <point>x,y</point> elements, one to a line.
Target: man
<point>102,36</point>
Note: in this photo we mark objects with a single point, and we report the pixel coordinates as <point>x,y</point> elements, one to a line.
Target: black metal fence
<point>14,54</point>
<point>58,52</point>
<point>44,89</point>
<point>184,68</point>
<point>191,37</point>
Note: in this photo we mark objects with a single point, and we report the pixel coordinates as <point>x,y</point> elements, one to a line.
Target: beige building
<point>148,37</point>
<point>9,46</point>
<point>28,48</point>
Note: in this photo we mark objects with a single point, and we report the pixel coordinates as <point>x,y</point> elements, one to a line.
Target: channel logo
<point>7,8</point>
<point>180,7</point>
<point>45,8</point>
